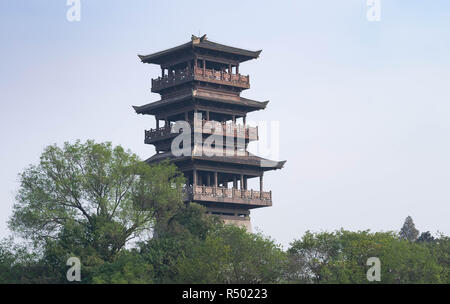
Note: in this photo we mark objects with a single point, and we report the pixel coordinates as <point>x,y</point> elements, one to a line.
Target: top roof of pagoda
<point>240,55</point>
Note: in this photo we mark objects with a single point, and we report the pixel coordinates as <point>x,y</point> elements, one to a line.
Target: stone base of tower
<point>240,223</point>
<point>237,217</point>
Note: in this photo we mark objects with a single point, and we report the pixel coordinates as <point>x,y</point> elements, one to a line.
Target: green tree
<point>129,267</point>
<point>232,255</point>
<point>409,231</point>
<point>90,200</point>
<point>425,237</point>
<point>341,256</point>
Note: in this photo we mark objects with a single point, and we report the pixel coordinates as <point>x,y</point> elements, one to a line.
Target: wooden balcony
<point>207,127</point>
<point>251,198</point>
<point>200,74</point>
<point>153,135</point>
<point>227,129</point>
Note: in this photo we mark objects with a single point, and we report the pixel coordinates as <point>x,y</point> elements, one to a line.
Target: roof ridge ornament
<point>196,40</point>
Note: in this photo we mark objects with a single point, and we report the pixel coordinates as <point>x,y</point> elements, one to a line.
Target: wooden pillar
<point>200,178</point>
<point>215,179</point>
<point>157,123</point>
<point>194,177</point>
<point>204,67</point>
<point>237,68</point>
<point>261,183</point>
<point>208,179</point>
<point>162,72</point>
<point>229,69</point>
<point>207,115</point>
<point>242,182</point>
<point>244,119</point>
<point>245,183</point>
<point>234,182</point>
<point>234,118</point>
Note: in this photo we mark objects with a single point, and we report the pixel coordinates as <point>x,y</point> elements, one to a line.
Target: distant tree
<point>425,237</point>
<point>341,256</point>
<point>409,231</point>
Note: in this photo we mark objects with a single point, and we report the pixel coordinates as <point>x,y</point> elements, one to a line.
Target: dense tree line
<point>127,223</point>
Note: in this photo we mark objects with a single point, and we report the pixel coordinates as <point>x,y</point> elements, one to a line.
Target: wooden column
<point>157,123</point>
<point>261,183</point>
<point>162,72</point>
<point>237,68</point>
<point>207,115</point>
<point>204,67</point>
<point>215,179</point>
<point>234,182</point>
<point>208,179</point>
<point>200,178</point>
<point>194,177</point>
<point>244,119</point>
<point>242,182</point>
<point>245,183</point>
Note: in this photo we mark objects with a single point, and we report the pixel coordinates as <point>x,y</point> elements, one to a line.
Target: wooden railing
<point>176,78</point>
<point>160,132</point>
<point>205,192</point>
<point>208,127</point>
<point>196,73</point>
<point>222,77</point>
<point>228,129</point>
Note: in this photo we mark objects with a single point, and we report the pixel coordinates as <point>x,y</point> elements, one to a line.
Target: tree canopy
<point>94,195</point>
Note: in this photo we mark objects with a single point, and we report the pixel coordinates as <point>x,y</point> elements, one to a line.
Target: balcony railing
<point>200,74</point>
<point>222,77</point>
<point>229,195</point>
<point>153,134</point>
<point>227,129</point>
<point>207,127</point>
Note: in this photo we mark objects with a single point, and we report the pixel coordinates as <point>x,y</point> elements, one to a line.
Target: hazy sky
<point>363,106</point>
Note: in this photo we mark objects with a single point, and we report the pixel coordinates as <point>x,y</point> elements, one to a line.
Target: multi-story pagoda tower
<point>200,84</point>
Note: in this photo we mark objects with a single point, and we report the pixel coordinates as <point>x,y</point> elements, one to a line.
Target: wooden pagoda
<point>200,83</point>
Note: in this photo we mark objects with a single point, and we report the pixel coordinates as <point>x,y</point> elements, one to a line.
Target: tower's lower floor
<point>220,184</point>
<point>232,205</point>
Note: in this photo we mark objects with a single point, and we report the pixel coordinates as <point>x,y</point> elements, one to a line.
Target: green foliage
<point>232,255</point>
<point>128,268</point>
<point>341,257</point>
<point>93,195</point>
<point>409,231</point>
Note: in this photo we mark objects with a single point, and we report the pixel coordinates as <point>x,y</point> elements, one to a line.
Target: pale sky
<point>363,106</point>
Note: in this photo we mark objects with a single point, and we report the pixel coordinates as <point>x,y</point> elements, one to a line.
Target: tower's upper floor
<point>200,63</point>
